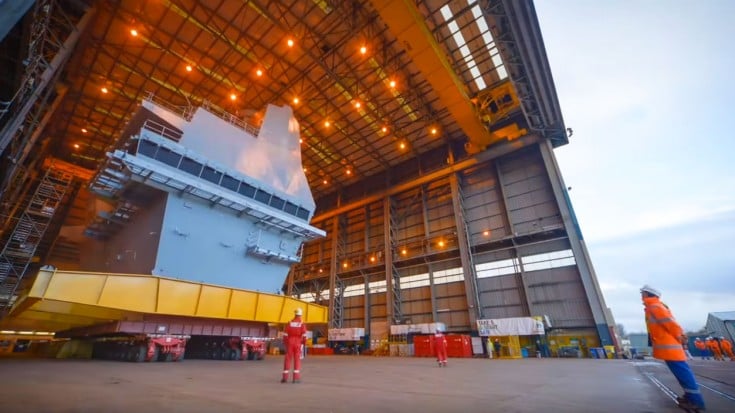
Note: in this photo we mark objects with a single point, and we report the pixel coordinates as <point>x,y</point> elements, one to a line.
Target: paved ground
<point>347,384</point>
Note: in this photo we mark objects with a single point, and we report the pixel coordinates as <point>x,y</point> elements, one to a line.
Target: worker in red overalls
<point>294,336</point>
<point>440,344</point>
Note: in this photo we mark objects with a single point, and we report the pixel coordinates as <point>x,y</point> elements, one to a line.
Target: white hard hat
<point>648,289</point>
<point>298,311</point>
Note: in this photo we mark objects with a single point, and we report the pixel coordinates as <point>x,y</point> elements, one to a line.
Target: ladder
<point>19,245</point>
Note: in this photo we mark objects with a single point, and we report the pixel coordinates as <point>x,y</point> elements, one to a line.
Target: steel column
<point>468,268</point>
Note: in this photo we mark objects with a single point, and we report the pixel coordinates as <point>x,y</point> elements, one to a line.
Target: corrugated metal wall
<point>518,243</point>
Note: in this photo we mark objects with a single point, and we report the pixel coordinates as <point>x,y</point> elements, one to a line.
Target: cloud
<point>691,263</point>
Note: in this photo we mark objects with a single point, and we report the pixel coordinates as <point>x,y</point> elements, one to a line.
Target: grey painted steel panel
<point>559,293</point>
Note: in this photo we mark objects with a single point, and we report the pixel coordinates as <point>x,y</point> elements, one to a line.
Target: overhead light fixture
<point>392,83</point>
<point>189,68</point>
<point>348,172</point>
<point>104,89</point>
<point>305,170</point>
<point>76,146</point>
<point>325,182</point>
<point>404,251</point>
<point>84,130</point>
<point>486,233</point>
<point>133,32</point>
<point>384,129</point>
<point>440,243</point>
<point>344,264</point>
<point>259,73</point>
<point>327,123</point>
<point>301,140</point>
<point>372,259</point>
<point>357,104</point>
<point>296,101</point>
<point>233,96</point>
<point>434,130</point>
<point>289,42</point>
<point>363,49</point>
<point>402,145</point>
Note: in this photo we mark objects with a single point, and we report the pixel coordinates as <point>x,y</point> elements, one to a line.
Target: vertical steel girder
<point>336,286</point>
<point>394,314</point>
<point>465,253</point>
<point>521,275</point>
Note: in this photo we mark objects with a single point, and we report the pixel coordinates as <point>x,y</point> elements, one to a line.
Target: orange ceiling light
<point>372,259</point>
<point>357,104</point>
<point>76,146</point>
<point>290,42</point>
<point>189,68</point>
<point>440,243</point>
<point>402,145</point>
<point>345,265</point>
<point>295,100</point>
<point>259,73</point>
<point>233,96</point>
<point>434,130</point>
<point>104,89</point>
<point>384,129</point>
<point>392,84</point>
<point>301,140</point>
<point>404,251</point>
<point>306,170</point>
<point>133,32</point>
<point>348,171</point>
<point>84,130</point>
<point>363,50</point>
<point>325,182</point>
<point>327,123</point>
<point>486,233</point>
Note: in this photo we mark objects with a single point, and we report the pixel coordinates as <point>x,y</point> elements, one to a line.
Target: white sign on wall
<point>517,326</point>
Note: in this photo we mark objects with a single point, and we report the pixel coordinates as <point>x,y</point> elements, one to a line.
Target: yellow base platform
<point>59,300</point>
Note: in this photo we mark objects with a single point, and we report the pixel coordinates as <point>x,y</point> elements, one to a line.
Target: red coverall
<point>294,336</point>
<point>440,344</point>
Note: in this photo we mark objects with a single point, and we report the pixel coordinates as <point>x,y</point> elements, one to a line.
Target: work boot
<point>685,404</point>
<point>283,380</point>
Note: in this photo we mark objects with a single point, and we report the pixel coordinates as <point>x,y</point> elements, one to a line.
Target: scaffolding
<point>20,244</point>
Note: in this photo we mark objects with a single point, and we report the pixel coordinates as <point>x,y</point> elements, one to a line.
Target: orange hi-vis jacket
<point>726,345</point>
<point>714,346</point>
<point>699,344</point>
<point>665,332</point>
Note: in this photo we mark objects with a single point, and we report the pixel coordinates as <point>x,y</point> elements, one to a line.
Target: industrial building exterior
<point>427,139</point>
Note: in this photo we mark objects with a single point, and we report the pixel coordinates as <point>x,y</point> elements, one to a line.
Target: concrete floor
<point>346,384</point>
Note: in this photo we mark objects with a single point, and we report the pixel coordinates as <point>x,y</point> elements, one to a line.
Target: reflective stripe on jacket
<point>664,330</point>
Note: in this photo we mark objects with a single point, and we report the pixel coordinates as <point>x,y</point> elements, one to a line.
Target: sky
<point>648,88</point>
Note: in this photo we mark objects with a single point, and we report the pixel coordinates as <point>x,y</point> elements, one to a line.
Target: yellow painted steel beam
<point>77,171</point>
<point>406,23</point>
<point>85,298</point>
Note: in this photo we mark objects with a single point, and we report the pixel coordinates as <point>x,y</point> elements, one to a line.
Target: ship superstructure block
<point>204,196</point>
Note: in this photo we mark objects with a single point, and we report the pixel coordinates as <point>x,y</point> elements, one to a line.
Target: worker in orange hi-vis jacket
<point>667,337</point>
<point>294,335</point>
<point>440,344</point>
<point>714,347</point>
<point>701,347</point>
<point>727,348</point>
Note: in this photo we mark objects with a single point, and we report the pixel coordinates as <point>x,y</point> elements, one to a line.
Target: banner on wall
<point>517,326</point>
